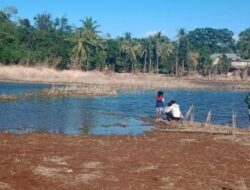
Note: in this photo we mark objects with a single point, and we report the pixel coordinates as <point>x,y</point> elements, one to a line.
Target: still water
<point>110,115</point>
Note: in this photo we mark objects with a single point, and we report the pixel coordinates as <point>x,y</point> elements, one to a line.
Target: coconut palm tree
<point>85,40</point>
<point>145,52</point>
<point>131,49</point>
<point>158,36</point>
<point>79,54</point>
<point>166,48</point>
<point>162,48</point>
<point>93,41</point>
<point>182,49</point>
<point>91,26</point>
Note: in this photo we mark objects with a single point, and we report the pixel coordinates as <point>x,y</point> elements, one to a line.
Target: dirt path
<point>155,160</point>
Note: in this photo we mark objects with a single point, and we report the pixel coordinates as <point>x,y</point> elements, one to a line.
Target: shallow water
<point>19,88</point>
<point>110,115</point>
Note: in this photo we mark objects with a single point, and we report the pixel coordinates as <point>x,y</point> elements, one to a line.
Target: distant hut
<point>237,66</point>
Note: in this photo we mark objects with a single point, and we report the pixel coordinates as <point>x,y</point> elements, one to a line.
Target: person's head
<point>172,102</point>
<point>160,93</point>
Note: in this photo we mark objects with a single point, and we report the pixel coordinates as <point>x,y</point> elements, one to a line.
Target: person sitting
<point>173,111</point>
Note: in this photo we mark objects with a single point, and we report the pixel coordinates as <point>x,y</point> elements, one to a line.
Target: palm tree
<point>79,53</point>
<point>131,49</point>
<point>86,40</point>
<point>182,49</point>
<point>145,52</point>
<point>128,36</point>
<point>158,36</point>
<point>162,48</point>
<point>93,41</point>
<point>166,48</point>
<point>90,26</point>
<point>151,53</point>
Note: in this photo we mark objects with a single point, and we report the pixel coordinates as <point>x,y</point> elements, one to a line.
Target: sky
<point>143,17</point>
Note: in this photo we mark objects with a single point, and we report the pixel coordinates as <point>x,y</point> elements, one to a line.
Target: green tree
<point>158,40</point>
<point>166,51</point>
<point>244,44</point>
<point>10,11</point>
<point>92,39</point>
<point>43,21</point>
<point>86,41</point>
<point>223,65</point>
<point>145,52</point>
<point>79,52</point>
<point>131,49</point>
<point>215,40</point>
<point>182,49</point>
<point>10,48</point>
<point>162,49</point>
<point>192,59</point>
<point>113,54</point>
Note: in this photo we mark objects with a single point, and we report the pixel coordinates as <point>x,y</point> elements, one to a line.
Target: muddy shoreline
<point>155,160</point>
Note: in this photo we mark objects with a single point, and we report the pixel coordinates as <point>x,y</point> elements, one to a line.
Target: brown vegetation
<point>118,80</point>
<point>155,160</point>
<point>4,97</point>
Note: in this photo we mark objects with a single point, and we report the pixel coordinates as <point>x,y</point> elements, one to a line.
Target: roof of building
<point>232,56</point>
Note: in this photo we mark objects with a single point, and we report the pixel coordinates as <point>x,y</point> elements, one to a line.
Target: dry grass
<point>196,127</point>
<point>69,90</point>
<point>120,81</point>
<point>5,97</point>
<point>96,83</point>
<point>131,81</point>
<point>79,90</point>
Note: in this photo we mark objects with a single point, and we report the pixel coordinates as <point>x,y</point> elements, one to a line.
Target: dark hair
<point>172,102</point>
<point>160,93</point>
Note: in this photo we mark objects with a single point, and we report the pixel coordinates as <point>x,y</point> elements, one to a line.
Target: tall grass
<point>120,81</point>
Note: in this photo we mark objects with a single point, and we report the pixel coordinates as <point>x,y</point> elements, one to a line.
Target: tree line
<point>57,43</point>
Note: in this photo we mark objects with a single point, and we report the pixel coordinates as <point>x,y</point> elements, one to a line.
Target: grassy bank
<point>118,81</point>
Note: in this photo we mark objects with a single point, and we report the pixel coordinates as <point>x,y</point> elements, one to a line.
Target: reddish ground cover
<point>156,160</point>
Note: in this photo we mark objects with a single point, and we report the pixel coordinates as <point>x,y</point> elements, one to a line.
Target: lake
<point>110,115</point>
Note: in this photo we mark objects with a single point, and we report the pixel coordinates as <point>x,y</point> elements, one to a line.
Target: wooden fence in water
<point>189,117</point>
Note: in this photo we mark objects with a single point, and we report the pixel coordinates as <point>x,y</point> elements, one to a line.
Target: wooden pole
<point>190,114</point>
<point>234,124</point>
<point>234,120</point>
<point>208,120</point>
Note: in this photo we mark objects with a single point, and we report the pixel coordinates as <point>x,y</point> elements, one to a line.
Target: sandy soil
<point>156,160</point>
